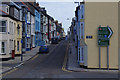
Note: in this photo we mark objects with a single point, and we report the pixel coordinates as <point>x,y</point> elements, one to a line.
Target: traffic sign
<point>104,34</point>
<point>111,32</point>
<point>21,41</point>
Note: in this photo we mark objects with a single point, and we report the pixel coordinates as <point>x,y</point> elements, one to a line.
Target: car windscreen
<point>43,46</point>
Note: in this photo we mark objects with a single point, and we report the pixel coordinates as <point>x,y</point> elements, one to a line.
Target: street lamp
<point>18,27</point>
<point>68,18</point>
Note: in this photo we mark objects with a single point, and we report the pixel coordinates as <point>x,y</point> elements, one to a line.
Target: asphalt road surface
<point>50,66</point>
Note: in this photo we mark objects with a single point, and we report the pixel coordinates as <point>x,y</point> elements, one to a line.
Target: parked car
<point>54,40</point>
<point>44,49</point>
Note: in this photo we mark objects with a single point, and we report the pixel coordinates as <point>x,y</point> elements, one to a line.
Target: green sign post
<point>104,34</point>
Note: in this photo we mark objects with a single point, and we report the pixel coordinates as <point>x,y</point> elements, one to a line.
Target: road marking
<point>35,57</point>
<point>18,65</point>
<point>15,68</point>
<point>8,72</point>
<point>65,62</point>
<point>54,48</point>
<point>65,69</point>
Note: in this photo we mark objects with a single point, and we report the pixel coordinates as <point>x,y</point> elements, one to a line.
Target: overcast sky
<point>60,11</point>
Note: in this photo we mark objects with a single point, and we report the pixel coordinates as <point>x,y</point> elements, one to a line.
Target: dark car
<point>44,49</point>
<point>54,41</point>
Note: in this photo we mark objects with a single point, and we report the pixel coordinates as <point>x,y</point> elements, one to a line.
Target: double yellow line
<point>8,72</point>
<point>65,61</point>
<point>35,57</point>
<point>4,74</point>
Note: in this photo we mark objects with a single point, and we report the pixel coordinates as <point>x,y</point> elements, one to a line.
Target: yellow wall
<point>101,13</point>
<point>119,33</point>
<point>18,38</point>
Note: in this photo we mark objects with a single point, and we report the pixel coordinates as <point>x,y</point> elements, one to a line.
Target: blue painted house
<point>80,33</point>
<point>37,28</point>
<point>24,28</point>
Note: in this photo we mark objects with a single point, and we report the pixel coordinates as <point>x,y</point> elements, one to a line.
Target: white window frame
<point>11,27</point>
<point>1,47</point>
<point>4,26</point>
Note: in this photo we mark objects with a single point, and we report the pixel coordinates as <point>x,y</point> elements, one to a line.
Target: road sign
<point>21,41</point>
<point>111,32</point>
<point>104,34</point>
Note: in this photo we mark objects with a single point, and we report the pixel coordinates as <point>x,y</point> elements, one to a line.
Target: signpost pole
<point>108,57</point>
<point>99,57</point>
<point>21,51</point>
<point>104,35</point>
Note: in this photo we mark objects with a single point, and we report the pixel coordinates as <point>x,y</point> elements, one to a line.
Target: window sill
<point>2,53</point>
<point>3,32</point>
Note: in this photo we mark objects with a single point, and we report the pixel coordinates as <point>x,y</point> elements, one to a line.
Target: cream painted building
<point>18,38</point>
<point>6,36</point>
<point>119,33</point>
<point>101,13</point>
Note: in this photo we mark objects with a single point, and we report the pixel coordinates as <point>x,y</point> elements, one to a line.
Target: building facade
<point>33,31</point>
<point>104,14</point>
<point>18,38</point>
<point>31,19</point>
<point>37,28</point>
<point>16,13</point>
<point>24,28</point>
<point>119,34</point>
<point>28,35</point>
<point>10,25</point>
<point>82,45</point>
<point>7,36</point>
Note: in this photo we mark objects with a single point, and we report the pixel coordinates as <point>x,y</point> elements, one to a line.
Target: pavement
<point>13,63</point>
<point>73,64</point>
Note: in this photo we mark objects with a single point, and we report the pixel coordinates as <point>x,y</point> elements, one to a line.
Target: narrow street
<point>59,39</point>
<point>50,66</point>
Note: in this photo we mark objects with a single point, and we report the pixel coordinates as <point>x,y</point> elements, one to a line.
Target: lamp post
<point>21,45</point>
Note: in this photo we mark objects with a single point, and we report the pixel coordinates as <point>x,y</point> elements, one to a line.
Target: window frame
<point>4,26</point>
<point>2,47</point>
<point>18,47</point>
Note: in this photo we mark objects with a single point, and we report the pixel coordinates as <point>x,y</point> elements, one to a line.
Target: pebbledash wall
<point>101,13</point>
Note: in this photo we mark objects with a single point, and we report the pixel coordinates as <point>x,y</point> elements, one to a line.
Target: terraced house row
<point>25,25</point>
